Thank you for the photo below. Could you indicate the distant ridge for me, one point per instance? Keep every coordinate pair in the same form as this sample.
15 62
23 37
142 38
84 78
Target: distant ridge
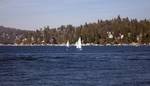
8 35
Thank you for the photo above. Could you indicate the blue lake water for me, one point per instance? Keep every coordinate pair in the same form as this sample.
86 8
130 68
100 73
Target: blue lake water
61 66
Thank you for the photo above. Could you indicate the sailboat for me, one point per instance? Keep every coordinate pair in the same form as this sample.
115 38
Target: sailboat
67 44
78 44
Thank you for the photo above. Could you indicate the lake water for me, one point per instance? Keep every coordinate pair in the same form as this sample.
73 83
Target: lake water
61 66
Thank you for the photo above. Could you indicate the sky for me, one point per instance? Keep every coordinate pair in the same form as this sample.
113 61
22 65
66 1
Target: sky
34 14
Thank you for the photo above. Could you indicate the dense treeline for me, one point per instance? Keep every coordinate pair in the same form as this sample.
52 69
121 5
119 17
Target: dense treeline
114 31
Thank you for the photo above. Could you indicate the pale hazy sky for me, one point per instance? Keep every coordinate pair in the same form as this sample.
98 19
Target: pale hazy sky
33 14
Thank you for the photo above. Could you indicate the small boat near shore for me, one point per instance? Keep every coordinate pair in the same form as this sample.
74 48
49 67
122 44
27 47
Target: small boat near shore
67 44
78 44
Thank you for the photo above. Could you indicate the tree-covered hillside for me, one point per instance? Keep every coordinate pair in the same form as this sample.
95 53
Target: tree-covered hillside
8 35
114 31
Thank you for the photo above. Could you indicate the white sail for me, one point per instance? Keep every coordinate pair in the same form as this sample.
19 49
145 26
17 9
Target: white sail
67 44
78 43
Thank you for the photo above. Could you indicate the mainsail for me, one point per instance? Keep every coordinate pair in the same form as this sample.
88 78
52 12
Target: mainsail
78 43
67 44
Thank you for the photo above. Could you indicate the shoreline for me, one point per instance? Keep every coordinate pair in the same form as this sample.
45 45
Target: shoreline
132 44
